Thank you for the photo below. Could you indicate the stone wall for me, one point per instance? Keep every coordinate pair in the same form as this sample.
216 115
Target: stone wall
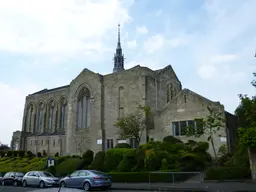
186 106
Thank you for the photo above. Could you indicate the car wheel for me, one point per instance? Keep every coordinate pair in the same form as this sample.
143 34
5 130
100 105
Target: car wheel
24 183
15 183
87 186
62 184
42 184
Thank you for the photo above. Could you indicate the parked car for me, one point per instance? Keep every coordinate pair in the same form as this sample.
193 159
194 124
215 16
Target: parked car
12 178
86 180
41 179
1 178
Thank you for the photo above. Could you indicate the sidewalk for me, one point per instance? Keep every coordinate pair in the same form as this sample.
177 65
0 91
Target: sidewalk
206 186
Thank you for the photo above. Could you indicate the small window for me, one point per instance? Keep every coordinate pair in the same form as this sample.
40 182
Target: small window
110 143
42 142
183 127
53 143
133 143
185 98
175 129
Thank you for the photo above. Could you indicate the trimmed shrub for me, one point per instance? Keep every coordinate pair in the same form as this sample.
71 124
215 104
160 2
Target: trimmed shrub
14 153
128 161
30 154
113 158
123 145
56 154
164 165
52 170
21 153
172 140
39 154
67 167
98 162
2 153
44 153
9 154
226 173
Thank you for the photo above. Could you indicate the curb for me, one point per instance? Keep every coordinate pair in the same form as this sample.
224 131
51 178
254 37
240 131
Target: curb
159 189
229 181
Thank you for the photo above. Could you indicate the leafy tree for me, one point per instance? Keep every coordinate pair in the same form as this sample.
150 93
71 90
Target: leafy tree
133 125
4 147
208 126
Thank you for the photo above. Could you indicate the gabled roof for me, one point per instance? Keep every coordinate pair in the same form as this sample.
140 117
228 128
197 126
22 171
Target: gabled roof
165 69
49 90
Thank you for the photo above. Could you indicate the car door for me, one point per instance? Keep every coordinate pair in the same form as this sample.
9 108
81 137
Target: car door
70 182
6 178
29 178
36 178
11 178
32 178
81 178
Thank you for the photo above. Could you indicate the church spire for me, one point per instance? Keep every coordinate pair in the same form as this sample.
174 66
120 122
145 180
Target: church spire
118 57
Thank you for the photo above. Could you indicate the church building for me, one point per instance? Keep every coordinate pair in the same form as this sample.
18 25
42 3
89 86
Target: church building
80 116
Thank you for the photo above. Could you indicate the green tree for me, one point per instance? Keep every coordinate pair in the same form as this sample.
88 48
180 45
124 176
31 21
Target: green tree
208 126
133 125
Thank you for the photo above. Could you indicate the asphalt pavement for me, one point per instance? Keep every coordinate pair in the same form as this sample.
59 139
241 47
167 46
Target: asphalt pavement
28 189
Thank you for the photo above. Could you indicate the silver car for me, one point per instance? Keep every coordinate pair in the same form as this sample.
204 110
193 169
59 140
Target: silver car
39 178
86 180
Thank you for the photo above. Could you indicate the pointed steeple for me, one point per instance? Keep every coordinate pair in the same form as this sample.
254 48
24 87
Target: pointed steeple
118 57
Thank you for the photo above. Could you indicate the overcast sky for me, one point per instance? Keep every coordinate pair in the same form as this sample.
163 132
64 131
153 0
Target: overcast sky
46 43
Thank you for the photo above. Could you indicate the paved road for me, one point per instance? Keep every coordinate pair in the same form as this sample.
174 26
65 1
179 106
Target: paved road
21 189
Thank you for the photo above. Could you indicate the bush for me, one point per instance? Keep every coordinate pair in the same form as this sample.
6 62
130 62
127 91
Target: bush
30 154
113 158
14 153
21 153
39 154
9 154
172 140
88 157
52 170
67 167
44 153
128 161
57 154
98 162
225 173
123 145
2 153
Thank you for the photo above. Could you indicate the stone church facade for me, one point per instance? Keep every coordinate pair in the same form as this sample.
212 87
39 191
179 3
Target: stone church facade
81 115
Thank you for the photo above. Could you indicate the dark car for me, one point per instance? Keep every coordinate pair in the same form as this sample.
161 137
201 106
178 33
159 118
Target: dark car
1 178
12 178
87 179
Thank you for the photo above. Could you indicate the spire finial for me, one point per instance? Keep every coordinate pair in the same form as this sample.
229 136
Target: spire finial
118 33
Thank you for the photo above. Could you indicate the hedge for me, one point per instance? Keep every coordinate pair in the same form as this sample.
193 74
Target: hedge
146 177
225 173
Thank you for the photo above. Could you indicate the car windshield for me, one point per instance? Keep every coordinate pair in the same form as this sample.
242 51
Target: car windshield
46 174
19 174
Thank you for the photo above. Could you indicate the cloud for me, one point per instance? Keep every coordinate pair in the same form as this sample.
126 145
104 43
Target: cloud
178 42
142 29
132 44
11 111
153 43
63 27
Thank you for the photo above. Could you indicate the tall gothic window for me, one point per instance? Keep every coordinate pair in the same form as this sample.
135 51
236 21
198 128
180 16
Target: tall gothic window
29 118
63 104
40 116
83 109
51 114
121 102
169 92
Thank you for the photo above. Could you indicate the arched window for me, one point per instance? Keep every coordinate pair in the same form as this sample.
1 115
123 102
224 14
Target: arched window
29 119
40 117
169 92
51 115
63 104
83 109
